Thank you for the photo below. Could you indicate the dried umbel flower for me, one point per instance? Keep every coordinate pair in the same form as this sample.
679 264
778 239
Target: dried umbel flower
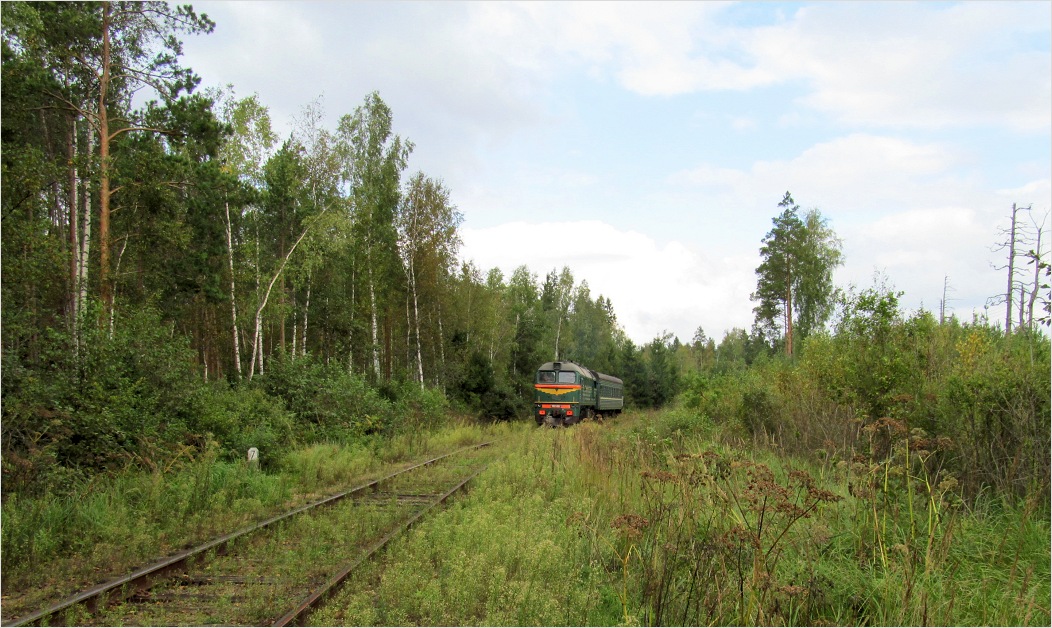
894 426
739 536
578 518
802 478
631 525
660 476
823 495
792 590
948 484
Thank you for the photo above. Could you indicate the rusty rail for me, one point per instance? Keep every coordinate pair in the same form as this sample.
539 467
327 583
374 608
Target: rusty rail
298 616
123 587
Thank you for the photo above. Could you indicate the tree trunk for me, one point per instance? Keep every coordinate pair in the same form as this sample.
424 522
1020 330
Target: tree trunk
350 331
419 350
105 289
788 319
1011 272
441 346
233 291
1037 280
113 307
372 307
74 239
306 311
295 329
85 238
256 342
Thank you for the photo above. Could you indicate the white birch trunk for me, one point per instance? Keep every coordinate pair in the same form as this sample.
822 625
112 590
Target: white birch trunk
113 295
256 343
376 341
350 332
419 351
74 236
295 330
306 311
85 240
233 292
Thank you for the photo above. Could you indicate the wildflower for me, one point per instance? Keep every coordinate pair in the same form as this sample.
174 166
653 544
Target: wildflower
631 525
948 483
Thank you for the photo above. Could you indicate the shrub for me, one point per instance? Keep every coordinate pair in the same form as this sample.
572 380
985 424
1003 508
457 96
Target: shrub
246 417
326 401
123 399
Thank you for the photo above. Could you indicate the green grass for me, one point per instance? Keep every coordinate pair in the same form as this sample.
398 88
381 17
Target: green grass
650 522
649 519
56 545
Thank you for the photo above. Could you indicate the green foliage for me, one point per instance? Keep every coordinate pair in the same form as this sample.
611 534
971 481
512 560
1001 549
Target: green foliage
638 528
795 278
129 398
326 401
134 515
480 388
238 419
985 392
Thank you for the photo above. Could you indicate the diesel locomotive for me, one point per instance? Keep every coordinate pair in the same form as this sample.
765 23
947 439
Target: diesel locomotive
565 393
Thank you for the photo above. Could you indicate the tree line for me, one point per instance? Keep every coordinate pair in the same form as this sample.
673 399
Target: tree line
177 278
167 256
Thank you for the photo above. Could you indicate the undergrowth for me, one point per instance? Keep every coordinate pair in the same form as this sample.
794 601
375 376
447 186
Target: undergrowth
655 522
54 545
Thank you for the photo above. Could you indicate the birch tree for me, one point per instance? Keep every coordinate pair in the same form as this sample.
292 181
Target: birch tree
373 161
250 143
427 225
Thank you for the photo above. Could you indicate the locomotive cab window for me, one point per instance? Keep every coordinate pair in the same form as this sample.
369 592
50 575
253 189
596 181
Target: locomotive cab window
567 377
546 377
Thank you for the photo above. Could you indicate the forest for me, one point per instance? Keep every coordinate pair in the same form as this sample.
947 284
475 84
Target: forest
179 281
176 275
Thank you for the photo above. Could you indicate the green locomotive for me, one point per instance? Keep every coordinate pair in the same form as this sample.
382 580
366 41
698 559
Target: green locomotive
566 393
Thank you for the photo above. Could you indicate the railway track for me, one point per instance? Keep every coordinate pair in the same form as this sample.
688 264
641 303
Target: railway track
277 571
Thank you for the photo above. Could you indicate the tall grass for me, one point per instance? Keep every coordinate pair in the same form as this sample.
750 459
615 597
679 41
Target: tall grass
53 545
656 522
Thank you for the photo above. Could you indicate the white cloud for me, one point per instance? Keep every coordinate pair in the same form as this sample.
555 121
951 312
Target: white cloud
742 123
882 64
917 65
918 248
653 287
857 172
491 92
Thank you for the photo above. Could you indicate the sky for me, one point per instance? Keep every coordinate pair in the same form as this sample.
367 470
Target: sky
647 145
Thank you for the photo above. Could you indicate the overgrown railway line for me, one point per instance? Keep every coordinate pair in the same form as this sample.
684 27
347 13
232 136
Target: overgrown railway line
276 571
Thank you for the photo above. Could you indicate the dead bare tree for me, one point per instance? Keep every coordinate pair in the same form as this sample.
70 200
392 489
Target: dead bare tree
1017 237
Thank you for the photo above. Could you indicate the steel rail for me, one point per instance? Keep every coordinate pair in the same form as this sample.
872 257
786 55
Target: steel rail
141 579
298 616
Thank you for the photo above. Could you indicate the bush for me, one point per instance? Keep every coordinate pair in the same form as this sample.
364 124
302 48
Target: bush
326 401
129 398
246 417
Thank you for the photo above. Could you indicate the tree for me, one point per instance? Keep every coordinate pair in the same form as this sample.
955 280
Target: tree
557 297
243 154
795 276
1022 240
427 225
118 49
373 163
